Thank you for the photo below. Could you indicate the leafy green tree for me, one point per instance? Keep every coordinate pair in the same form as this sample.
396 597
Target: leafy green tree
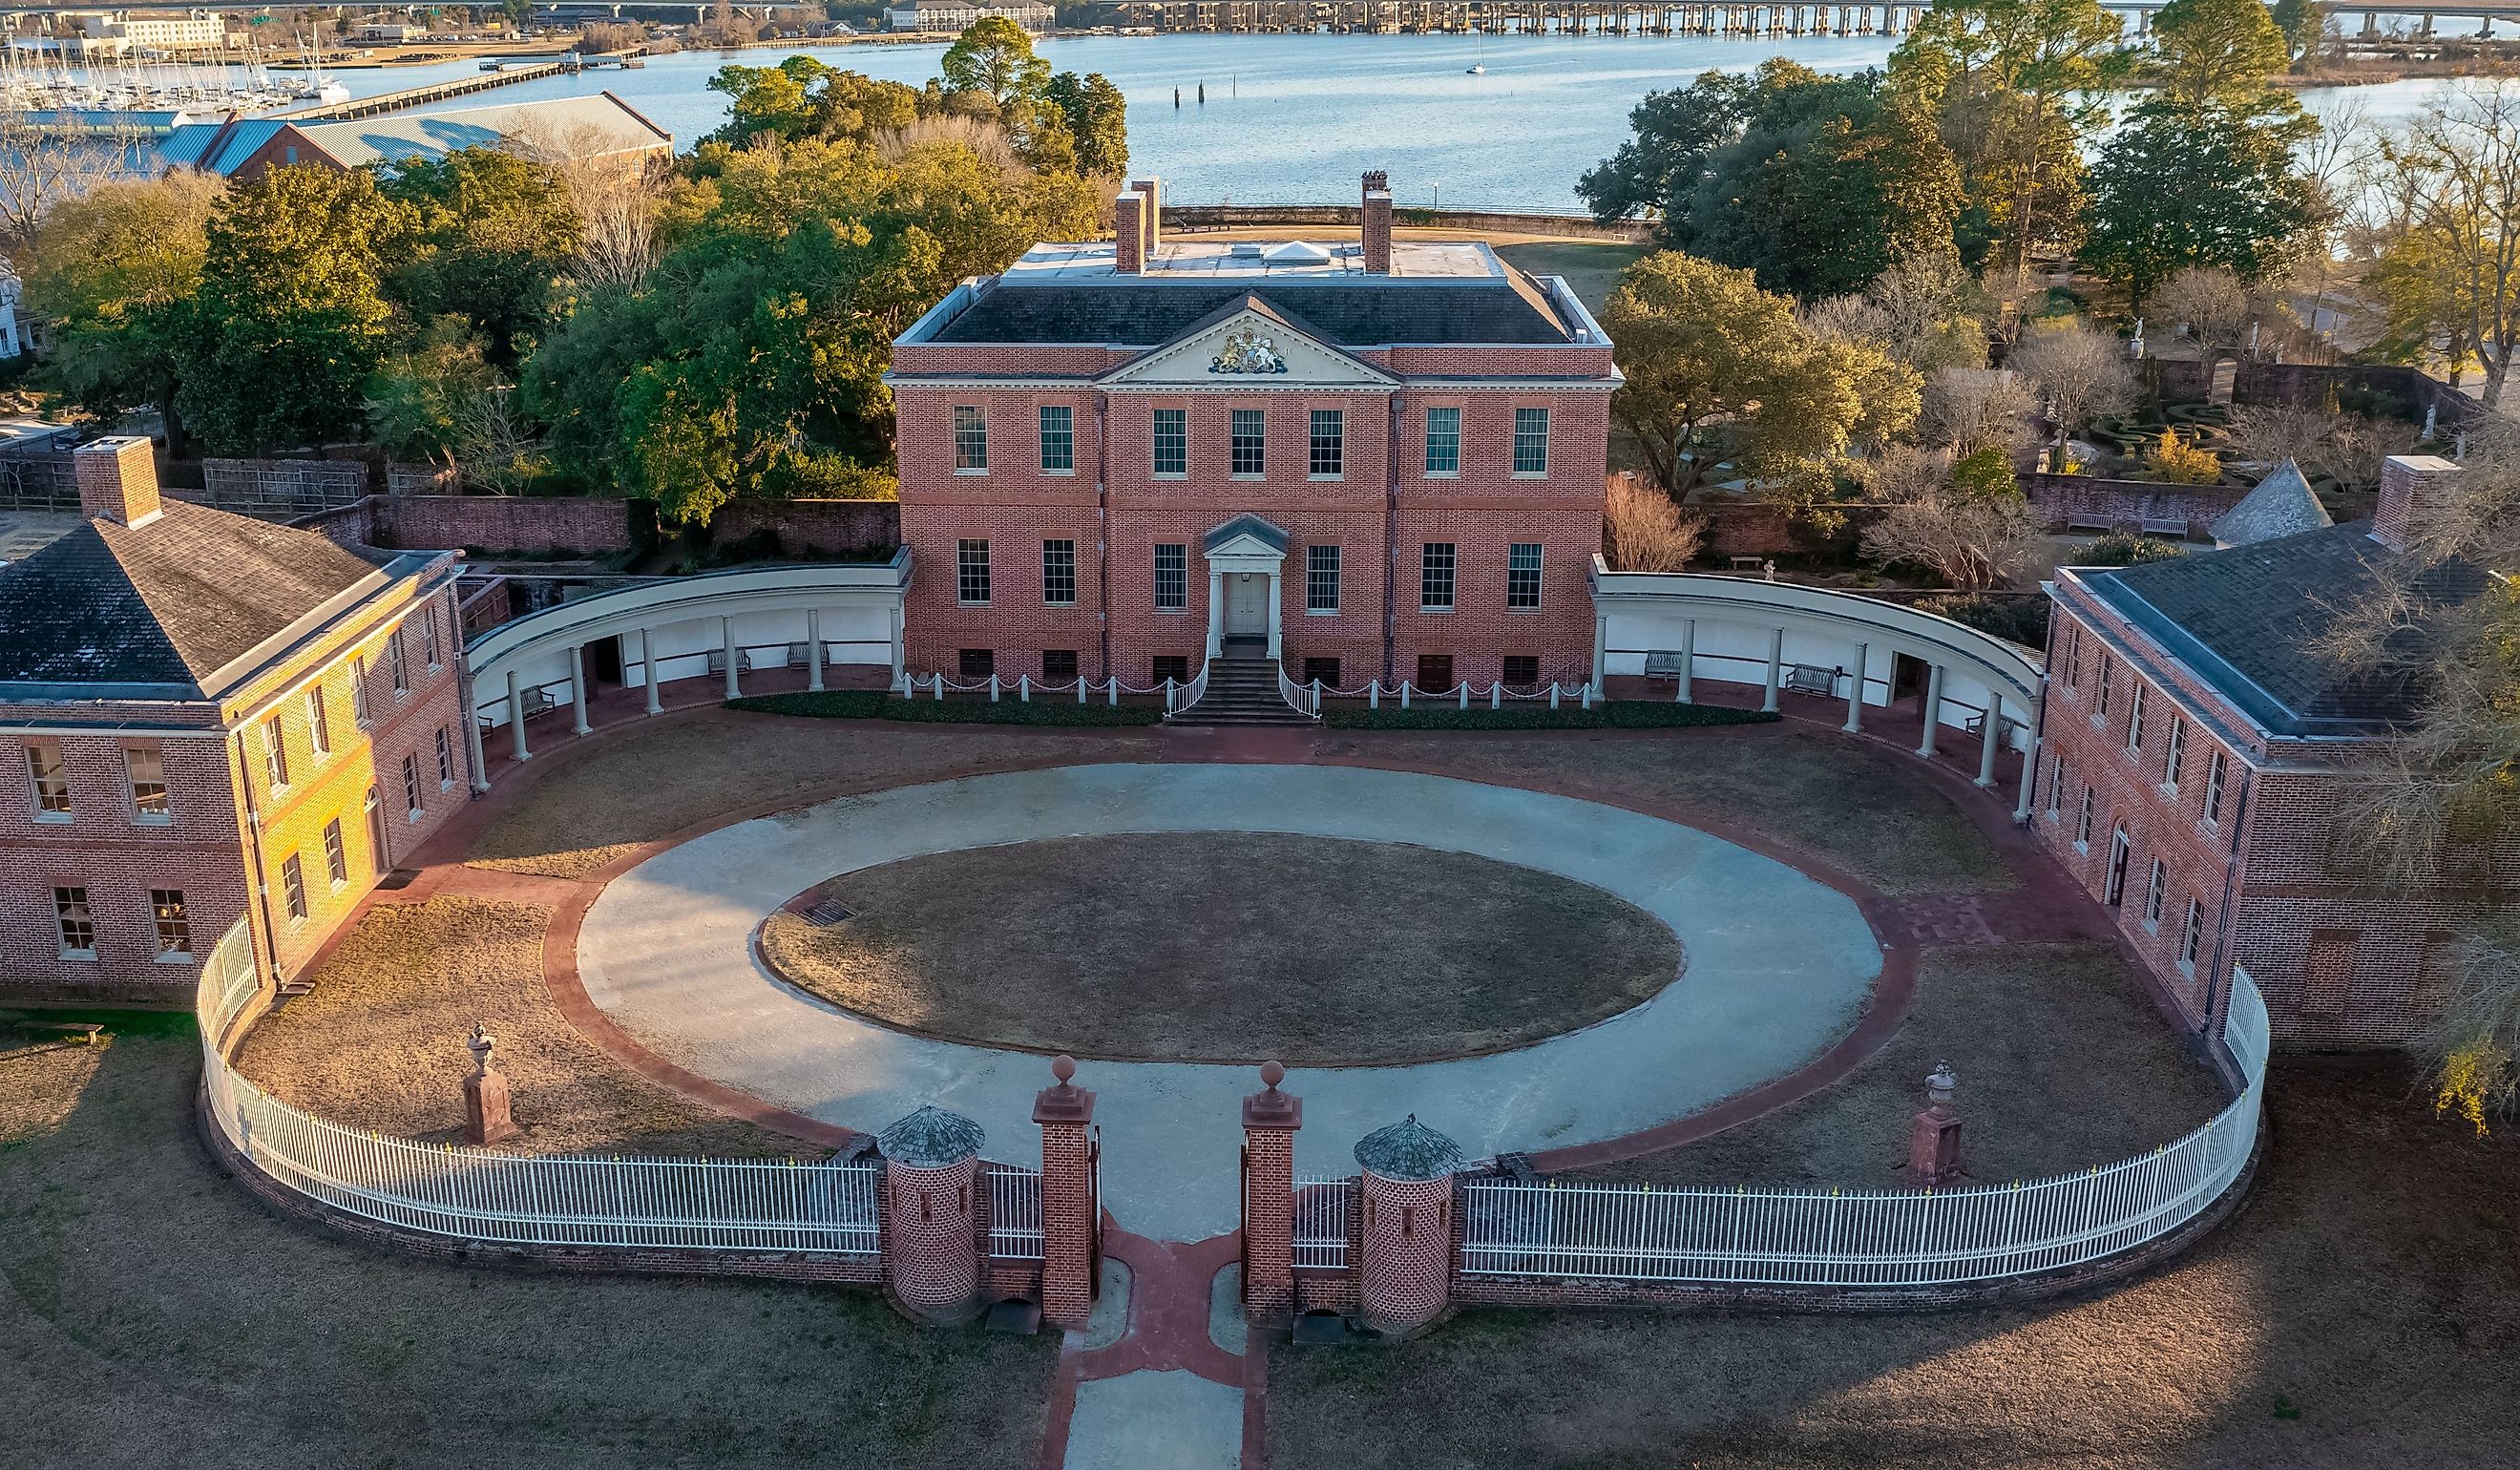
2207 51
803 98
995 57
488 235
1718 369
2202 185
113 274
289 323
1098 119
2304 23
417 399
2016 86
1816 183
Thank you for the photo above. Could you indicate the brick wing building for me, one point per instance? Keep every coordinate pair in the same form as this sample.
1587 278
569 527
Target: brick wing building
2194 746
1359 460
206 716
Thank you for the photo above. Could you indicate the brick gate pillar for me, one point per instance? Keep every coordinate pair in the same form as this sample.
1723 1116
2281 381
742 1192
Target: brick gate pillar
1269 1119
1405 1236
1065 1113
931 1176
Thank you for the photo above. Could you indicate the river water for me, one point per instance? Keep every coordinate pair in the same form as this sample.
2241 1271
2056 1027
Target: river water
1294 118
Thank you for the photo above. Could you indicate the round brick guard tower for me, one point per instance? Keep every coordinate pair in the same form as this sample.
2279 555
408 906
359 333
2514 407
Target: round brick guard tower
1405 1234
931 1171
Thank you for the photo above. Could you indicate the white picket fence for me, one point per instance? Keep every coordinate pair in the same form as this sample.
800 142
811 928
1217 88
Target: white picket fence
1866 1238
479 1194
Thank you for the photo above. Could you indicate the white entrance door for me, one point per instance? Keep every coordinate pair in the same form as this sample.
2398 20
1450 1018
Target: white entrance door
1247 604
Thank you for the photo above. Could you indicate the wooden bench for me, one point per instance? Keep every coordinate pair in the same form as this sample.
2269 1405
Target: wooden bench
1750 564
86 1031
1811 679
2103 525
747 663
2165 526
1664 663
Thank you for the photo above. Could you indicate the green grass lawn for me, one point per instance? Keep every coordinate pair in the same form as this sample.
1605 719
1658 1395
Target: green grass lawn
152 1314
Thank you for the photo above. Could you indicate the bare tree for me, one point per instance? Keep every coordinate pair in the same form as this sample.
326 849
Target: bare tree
618 196
1970 408
1971 542
2083 373
2211 303
1644 531
40 165
492 446
2455 169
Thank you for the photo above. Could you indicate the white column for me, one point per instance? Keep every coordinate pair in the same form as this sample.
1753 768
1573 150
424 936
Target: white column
1776 667
1600 646
814 649
725 635
577 688
2028 781
1991 740
1688 662
1215 612
481 763
1933 709
898 659
648 668
1277 618
1855 694
516 717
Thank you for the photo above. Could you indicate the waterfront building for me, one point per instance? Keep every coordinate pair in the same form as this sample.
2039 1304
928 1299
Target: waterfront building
205 716
1355 459
956 16
600 127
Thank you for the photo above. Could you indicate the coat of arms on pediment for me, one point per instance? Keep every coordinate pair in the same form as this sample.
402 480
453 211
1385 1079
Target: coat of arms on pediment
1248 351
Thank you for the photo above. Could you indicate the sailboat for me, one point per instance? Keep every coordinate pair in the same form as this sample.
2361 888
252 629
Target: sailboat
1479 67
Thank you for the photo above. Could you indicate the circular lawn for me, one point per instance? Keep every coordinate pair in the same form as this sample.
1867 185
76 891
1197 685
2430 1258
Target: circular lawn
1222 947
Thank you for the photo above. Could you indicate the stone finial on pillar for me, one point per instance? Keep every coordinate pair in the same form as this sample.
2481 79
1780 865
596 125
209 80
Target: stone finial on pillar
487 1119
1407 1232
1068 1206
931 1177
1269 1119
1934 1138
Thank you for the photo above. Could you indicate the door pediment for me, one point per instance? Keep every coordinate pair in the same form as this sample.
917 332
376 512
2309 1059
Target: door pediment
1248 348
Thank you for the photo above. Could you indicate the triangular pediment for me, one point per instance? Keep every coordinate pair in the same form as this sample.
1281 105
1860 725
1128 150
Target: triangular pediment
1248 345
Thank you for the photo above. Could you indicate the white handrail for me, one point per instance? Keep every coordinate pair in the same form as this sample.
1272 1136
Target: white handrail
1187 696
1303 699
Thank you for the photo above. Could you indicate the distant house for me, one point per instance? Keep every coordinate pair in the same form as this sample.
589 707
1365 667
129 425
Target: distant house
960 16
576 128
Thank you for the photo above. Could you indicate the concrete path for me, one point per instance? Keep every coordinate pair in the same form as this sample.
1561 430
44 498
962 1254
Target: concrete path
1777 967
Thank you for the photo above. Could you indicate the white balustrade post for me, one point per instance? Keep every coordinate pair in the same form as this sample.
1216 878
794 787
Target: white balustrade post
1933 709
1553 693
993 689
648 670
1855 690
814 650
1112 689
516 716
1775 668
1991 740
577 689
734 659
1688 662
1080 688
940 686
1168 694
1404 693
1317 697
1496 694
1374 693
1466 694
1024 689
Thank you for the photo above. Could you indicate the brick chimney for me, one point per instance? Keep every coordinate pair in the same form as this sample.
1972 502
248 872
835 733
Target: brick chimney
1154 215
117 481
1128 233
1376 217
2414 487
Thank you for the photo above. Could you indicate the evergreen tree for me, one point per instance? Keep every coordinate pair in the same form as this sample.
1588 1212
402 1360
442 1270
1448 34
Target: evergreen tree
1097 122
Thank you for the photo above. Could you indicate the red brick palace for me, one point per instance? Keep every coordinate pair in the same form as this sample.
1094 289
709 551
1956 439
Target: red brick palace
1360 458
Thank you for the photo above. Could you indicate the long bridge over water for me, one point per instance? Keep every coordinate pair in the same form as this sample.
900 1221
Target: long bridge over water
1723 18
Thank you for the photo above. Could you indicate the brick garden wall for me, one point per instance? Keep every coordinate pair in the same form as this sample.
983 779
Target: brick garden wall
2061 499
516 525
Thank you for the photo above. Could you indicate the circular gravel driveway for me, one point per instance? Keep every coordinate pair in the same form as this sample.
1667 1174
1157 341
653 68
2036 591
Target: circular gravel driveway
1779 969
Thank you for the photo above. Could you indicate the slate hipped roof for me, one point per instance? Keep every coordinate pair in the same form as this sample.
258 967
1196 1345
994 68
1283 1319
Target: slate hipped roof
2282 505
2249 620
168 605
1408 1151
1142 312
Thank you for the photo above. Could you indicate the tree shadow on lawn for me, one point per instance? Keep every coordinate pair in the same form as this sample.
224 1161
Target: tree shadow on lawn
155 1314
2362 1309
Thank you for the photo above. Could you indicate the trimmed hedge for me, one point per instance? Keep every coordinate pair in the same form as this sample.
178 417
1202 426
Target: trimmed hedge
877 704
1618 714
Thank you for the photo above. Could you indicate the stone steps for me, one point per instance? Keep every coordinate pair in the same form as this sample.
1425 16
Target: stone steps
1240 691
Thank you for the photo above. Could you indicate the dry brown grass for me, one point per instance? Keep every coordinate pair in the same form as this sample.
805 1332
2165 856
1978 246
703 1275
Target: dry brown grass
648 784
153 1314
1196 947
1864 811
38 1082
2364 1309
381 1043
2063 1062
